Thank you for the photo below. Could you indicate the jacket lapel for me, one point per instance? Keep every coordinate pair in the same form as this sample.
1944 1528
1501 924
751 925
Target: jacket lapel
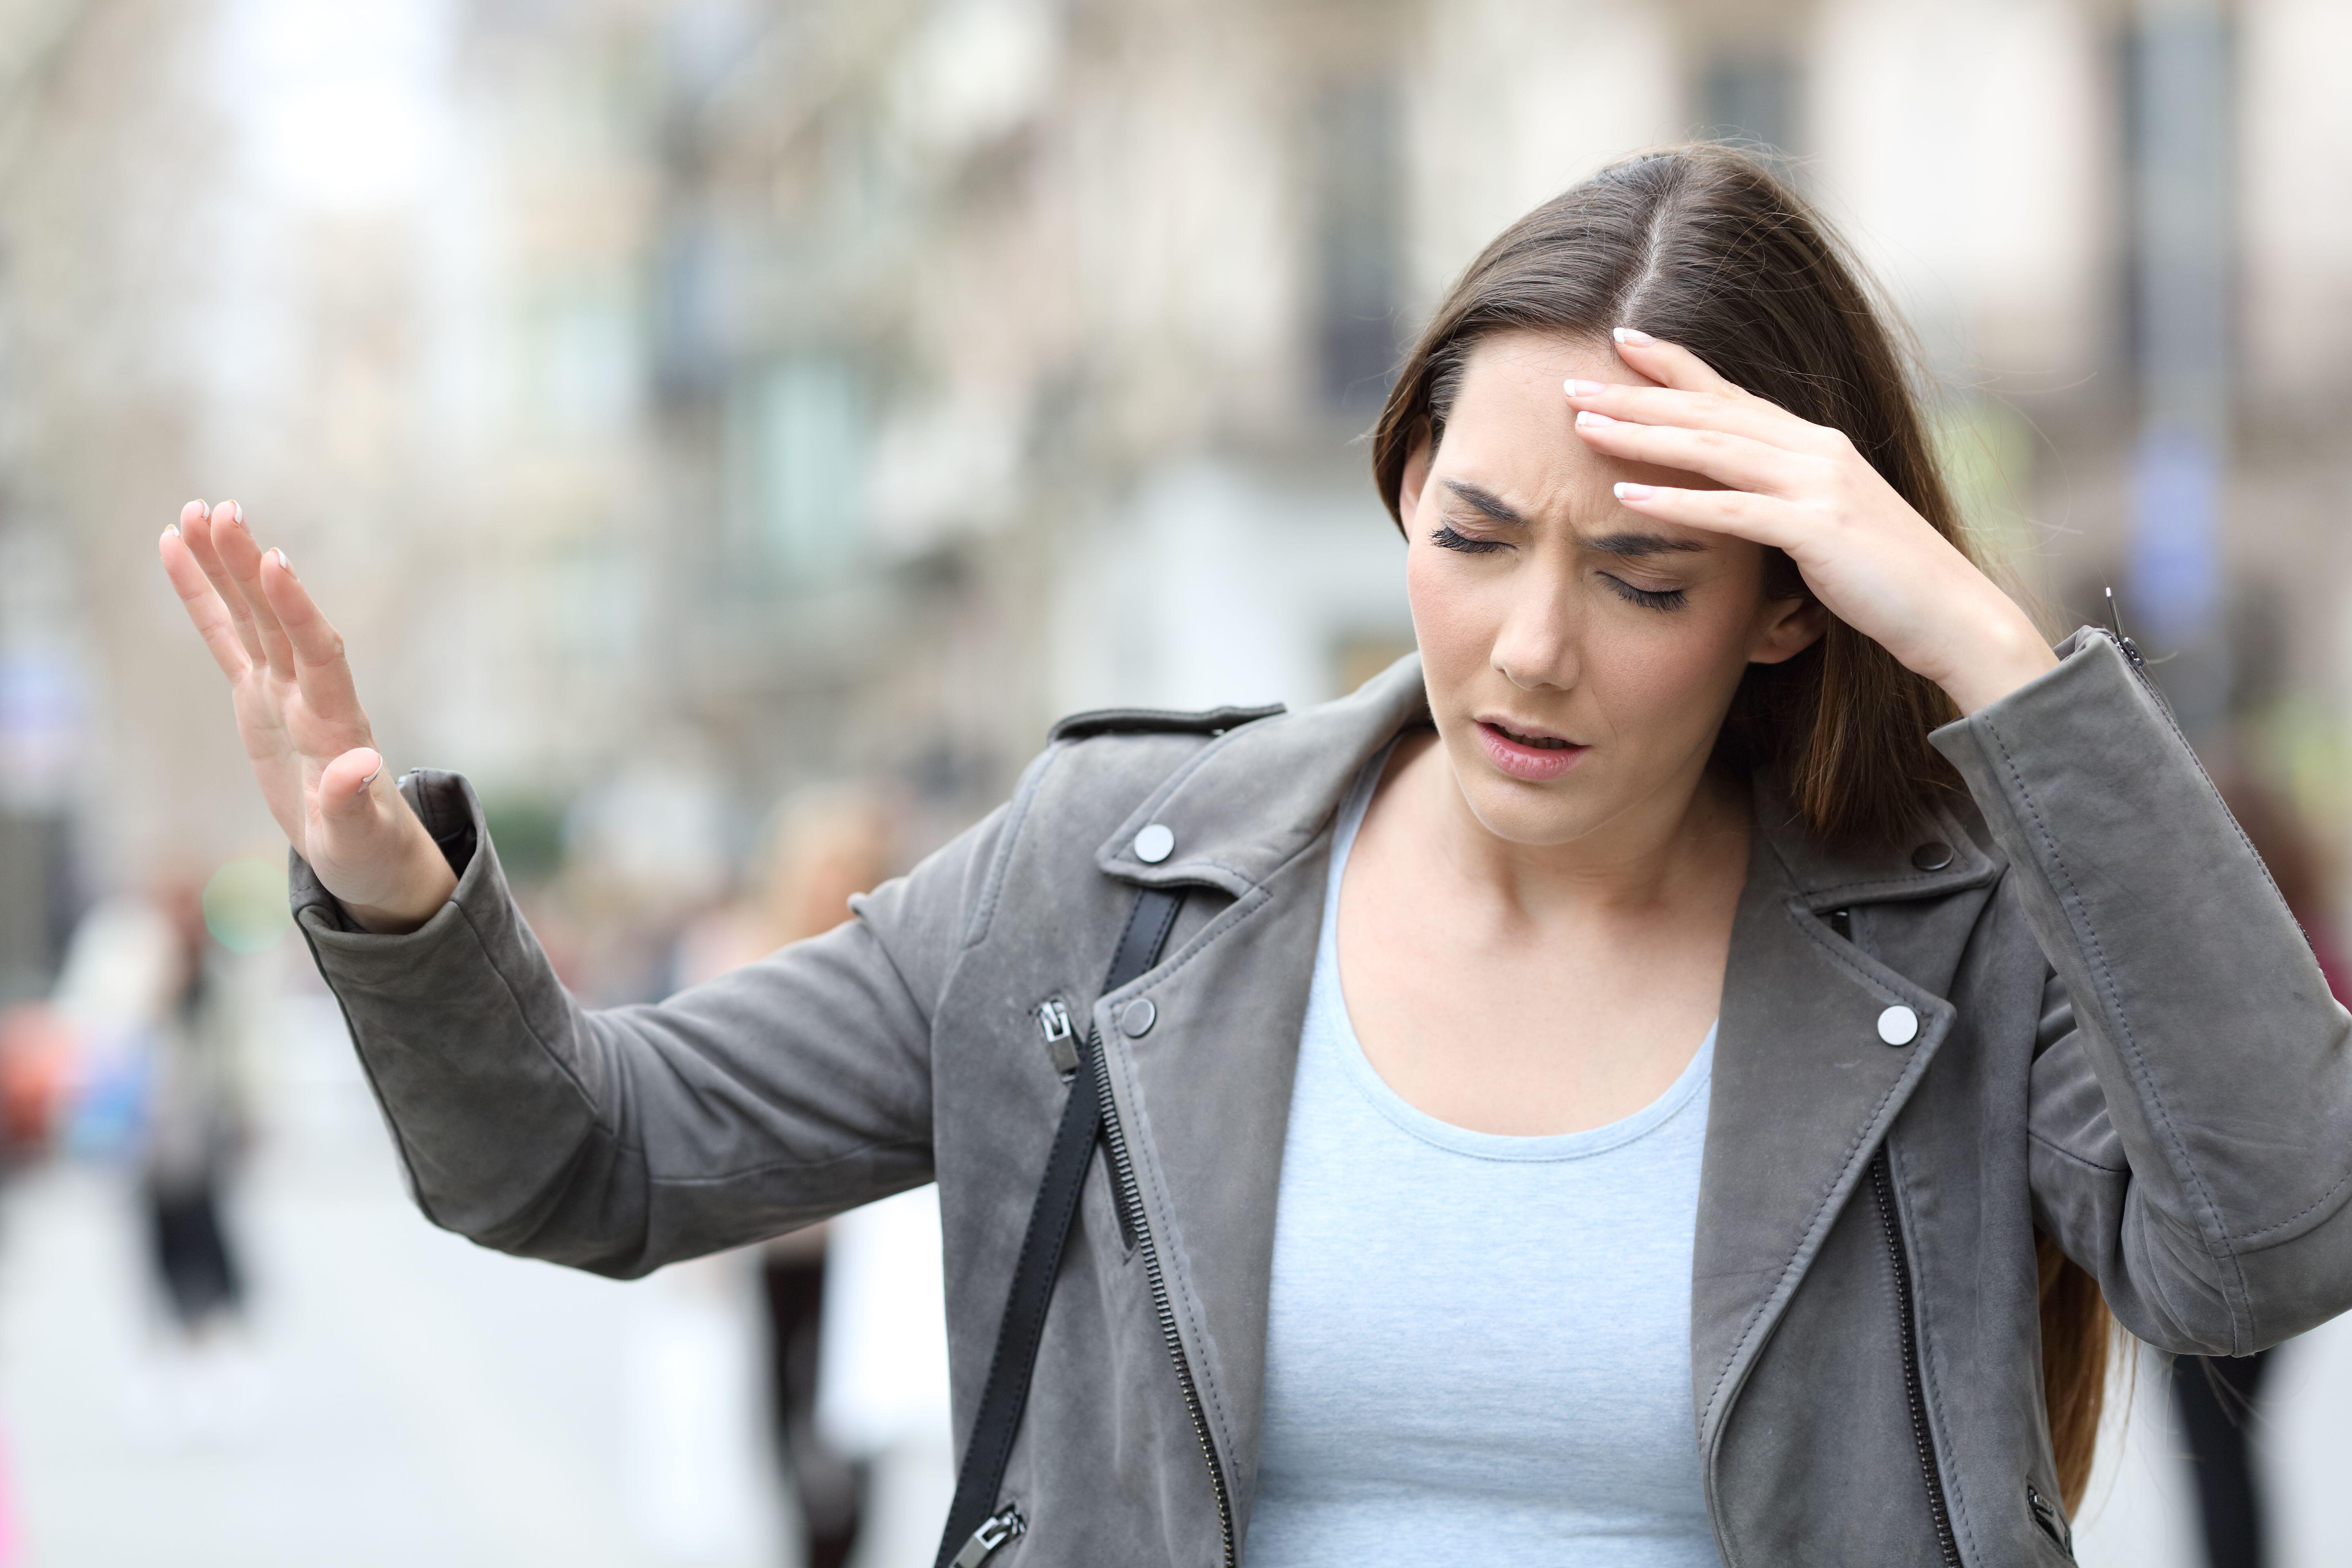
1204 1093
1804 1087
1204 1099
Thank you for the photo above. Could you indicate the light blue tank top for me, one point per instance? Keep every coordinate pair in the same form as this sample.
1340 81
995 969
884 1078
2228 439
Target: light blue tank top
1477 1346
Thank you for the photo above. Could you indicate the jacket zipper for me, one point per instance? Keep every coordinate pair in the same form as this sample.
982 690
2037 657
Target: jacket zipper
994 1530
2138 662
2046 1515
1881 1184
1131 1200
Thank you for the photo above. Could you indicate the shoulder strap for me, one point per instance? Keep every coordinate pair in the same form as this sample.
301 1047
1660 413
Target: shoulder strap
976 1526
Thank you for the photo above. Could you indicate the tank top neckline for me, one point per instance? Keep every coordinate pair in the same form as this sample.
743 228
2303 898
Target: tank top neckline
1409 1118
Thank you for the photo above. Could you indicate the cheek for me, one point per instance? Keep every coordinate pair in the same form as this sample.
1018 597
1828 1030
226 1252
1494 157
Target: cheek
1448 619
1678 669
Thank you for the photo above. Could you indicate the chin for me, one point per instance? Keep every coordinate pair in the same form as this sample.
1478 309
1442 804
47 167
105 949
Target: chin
1536 815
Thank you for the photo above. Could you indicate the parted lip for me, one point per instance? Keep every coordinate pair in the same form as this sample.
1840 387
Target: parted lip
1521 729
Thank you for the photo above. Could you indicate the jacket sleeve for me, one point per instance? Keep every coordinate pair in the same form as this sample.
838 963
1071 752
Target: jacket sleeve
2190 1120
621 1140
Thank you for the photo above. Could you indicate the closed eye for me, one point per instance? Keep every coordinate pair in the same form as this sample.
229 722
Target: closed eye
1444 538
1648 598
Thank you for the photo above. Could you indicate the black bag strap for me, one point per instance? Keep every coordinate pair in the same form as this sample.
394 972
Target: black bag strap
976 1526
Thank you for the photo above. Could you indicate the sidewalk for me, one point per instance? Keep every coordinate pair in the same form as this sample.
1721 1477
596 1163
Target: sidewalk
410 1397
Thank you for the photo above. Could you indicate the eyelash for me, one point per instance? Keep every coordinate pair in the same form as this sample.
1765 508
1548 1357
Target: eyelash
1648 598
1444 538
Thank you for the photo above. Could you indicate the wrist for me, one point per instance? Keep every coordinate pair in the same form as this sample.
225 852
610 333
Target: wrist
423 885
2000 654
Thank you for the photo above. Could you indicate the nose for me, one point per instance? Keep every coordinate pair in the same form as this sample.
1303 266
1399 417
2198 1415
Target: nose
1538 646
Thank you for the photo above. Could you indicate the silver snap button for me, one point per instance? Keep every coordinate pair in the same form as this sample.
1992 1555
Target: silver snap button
1154 844
1135 1020
1932 856
1898 1025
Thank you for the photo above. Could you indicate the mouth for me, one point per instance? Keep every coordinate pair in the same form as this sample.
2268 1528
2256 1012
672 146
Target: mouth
1533 754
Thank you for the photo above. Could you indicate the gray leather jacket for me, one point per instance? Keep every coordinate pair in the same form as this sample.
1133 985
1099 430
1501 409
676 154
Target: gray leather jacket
2122 1040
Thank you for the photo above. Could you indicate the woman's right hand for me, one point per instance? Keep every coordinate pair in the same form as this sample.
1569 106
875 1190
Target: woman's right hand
300 719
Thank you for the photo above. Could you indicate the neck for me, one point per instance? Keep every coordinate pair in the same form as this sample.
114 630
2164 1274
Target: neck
1682 840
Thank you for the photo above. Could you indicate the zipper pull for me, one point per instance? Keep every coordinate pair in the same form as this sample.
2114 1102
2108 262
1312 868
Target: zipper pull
2053 1522
1053 1022
994 1531
2116 630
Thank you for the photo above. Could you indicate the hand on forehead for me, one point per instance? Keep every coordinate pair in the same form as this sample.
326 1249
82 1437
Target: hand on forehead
1510 434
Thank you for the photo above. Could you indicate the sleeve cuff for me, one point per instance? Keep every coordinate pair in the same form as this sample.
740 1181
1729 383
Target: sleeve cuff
446 803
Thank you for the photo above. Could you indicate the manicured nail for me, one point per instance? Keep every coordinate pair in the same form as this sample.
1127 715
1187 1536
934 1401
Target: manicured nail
1587 417
171 528
283 564
1576 388
1632 492
1634 335
237 509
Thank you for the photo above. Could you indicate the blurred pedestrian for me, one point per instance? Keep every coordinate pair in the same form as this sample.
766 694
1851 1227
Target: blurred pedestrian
198 1124
166 1017
2218 1397
823 846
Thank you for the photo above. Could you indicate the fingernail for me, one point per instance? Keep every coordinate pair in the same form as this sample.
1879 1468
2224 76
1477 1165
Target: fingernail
236 509
1634 335
171 528
1631 492
1576 388
370 778
1587 417
283 564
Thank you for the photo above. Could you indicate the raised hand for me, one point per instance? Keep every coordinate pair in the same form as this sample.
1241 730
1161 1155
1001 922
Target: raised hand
300 719
1869 556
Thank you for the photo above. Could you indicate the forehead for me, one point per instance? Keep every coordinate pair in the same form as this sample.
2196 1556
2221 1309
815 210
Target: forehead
1510 432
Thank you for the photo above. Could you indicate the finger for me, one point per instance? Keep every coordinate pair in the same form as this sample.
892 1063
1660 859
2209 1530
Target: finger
1735 460
1670 364
1743 514
242 557
1744 415
319 667
196 529
352 788
203 602
363 826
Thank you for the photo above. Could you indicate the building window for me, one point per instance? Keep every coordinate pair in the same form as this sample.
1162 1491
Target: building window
1750 95
797 448
1357 191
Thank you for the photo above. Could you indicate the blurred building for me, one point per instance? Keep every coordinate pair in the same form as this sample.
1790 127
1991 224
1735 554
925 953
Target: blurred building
678 399
1010 353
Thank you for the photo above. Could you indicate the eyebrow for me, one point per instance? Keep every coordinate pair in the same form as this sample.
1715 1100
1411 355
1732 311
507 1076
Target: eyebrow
1623 544
1639 544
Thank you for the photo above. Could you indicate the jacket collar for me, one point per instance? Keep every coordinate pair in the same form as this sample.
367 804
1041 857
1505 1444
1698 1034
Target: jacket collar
1254 797
1250 800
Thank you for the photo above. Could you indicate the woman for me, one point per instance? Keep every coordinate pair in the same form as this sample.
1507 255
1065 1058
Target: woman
1746 941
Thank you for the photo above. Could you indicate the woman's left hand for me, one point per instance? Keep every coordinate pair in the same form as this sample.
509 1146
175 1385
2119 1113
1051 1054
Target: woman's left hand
1866 553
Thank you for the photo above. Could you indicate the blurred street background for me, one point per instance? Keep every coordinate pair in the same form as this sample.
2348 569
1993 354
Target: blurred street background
701 414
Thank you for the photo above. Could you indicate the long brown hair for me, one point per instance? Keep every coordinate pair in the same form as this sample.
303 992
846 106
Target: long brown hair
1705 247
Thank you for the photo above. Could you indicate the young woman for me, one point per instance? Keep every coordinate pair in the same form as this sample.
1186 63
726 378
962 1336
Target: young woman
1652 1079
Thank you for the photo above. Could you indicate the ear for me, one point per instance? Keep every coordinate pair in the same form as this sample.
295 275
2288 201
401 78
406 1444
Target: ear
1785 628
1415 478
